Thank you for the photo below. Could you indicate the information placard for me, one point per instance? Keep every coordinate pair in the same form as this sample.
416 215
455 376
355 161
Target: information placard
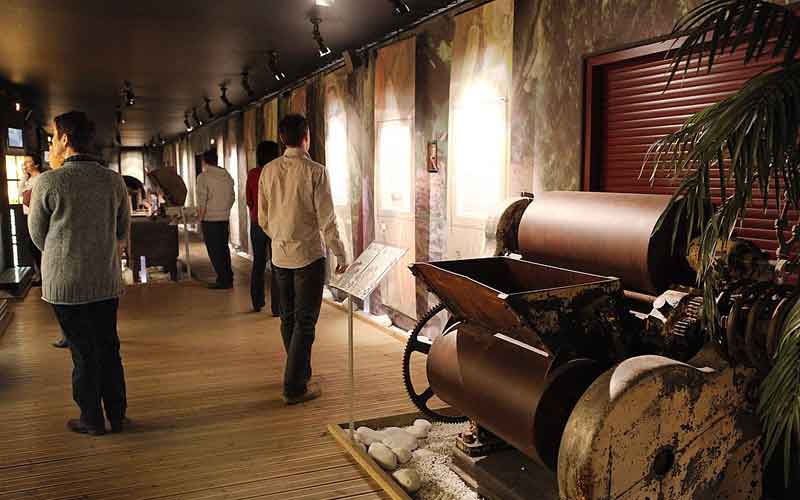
366 273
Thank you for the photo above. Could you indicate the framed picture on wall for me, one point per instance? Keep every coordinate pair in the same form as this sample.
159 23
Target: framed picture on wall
15 138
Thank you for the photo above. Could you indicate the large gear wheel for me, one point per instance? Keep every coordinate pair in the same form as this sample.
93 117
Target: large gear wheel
419 343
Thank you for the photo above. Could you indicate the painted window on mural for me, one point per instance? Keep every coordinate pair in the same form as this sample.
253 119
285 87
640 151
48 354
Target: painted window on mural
133 164
394 157
14 175
336 158
480 147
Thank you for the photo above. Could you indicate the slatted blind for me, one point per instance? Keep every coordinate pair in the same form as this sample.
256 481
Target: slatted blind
635 111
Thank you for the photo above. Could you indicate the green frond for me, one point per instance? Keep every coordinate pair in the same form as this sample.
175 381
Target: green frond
720 25
751 140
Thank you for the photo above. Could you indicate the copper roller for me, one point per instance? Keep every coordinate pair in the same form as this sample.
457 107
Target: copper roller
518 392
605 233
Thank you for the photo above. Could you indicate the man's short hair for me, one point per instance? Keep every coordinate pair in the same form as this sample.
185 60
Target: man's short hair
210 157
266 152
293 129
78 128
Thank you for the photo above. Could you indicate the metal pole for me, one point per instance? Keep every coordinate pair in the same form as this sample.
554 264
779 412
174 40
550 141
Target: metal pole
186 244
350 369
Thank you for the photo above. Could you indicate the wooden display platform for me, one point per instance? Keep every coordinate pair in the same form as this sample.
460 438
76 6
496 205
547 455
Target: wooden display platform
367 464
503 475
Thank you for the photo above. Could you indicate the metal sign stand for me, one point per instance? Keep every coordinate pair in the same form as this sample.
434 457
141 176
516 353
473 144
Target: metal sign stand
186 244
361 278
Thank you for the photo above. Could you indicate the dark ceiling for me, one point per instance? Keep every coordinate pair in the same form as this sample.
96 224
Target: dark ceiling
76 54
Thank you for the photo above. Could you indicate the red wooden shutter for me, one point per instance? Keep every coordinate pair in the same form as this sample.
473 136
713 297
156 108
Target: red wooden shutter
631 110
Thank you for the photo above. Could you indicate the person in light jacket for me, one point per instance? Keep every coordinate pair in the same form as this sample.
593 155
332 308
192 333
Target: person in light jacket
295 209
215 197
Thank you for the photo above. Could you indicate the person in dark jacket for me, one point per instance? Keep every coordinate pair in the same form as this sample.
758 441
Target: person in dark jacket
259 241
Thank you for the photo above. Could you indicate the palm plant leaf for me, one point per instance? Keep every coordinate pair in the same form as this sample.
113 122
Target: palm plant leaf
751 140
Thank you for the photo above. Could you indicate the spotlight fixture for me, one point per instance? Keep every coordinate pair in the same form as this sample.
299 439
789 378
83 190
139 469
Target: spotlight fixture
400 7
186 122
323 49
246 83
274 65
160 139
49 139
213 141
208 108
128 95
196 118
223 95
18 106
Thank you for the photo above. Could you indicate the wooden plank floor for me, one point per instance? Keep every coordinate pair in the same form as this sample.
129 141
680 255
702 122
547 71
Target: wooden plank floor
204 382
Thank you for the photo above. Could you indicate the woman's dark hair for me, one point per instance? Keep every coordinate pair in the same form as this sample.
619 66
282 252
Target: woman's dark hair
78 128
37 160
210 157
266 152
293 129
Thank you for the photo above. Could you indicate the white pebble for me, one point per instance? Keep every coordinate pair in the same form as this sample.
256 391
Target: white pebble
383 455
395 437
417 432
423 424
408 479
368 436
403 455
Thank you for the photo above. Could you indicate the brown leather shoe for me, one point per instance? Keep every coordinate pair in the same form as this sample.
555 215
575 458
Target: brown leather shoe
313 391
76 425
61 343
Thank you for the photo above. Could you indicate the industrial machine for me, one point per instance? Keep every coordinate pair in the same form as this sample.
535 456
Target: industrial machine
581 345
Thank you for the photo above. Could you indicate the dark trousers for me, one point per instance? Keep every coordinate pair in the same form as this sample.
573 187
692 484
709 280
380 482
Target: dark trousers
301 299
37 257
261 255
216 236
97 373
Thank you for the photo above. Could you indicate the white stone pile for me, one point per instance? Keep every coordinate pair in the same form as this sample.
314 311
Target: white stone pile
393 447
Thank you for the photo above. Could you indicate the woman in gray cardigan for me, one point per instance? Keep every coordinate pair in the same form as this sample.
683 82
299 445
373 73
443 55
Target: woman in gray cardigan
79 215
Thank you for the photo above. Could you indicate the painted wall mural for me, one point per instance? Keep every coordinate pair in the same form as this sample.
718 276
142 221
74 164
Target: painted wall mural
394 167
480 87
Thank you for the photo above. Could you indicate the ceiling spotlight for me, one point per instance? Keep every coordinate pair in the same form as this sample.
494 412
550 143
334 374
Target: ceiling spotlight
223 91
18 106
246 83
160 139
208 108
213 141
274 64
186 122
49 139
196 118
128 95
400 7
324 50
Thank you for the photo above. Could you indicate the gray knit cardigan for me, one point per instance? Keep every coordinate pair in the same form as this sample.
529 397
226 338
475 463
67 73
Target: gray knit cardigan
78 215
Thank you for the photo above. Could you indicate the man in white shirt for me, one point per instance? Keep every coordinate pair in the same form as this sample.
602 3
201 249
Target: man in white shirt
215 197
295 209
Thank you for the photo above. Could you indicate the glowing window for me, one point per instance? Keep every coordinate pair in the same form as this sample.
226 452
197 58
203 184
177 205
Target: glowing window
479 162
336 158
394 162
15 173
